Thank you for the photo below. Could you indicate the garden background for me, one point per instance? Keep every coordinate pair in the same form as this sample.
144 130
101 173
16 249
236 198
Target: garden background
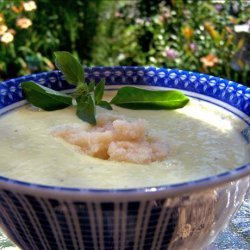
205 36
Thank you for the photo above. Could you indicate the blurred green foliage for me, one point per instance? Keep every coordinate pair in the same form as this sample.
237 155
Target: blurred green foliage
191 35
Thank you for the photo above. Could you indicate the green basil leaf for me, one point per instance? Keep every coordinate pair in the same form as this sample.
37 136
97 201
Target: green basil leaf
45 98
80 90
91 86
99 90
105 104
137 98
86 109
70 67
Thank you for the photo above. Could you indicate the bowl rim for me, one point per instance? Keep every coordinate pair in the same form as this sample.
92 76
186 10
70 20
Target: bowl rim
170 189
198 185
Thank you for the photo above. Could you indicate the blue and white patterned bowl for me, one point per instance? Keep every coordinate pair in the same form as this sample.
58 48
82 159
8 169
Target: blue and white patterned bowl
181 216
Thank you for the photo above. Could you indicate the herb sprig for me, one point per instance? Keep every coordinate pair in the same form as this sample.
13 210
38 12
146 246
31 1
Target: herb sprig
87 96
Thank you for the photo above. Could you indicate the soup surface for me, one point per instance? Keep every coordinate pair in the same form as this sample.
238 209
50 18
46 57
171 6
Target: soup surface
202 140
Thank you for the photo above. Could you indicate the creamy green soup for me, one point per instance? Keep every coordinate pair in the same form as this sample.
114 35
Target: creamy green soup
202 140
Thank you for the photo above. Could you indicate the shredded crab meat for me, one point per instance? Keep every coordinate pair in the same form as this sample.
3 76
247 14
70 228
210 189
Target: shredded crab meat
116 140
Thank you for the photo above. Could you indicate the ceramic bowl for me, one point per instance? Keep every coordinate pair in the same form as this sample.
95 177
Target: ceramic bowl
181 216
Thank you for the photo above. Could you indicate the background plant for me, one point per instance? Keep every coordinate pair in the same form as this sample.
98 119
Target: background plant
192 35
53 25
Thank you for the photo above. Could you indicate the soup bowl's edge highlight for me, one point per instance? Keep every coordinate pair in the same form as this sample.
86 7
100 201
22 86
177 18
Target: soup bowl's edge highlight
190 214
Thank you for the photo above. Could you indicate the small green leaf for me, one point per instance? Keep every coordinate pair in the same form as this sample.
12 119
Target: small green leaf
86 109
79 91
105 104
86 97
70 67
91 86
45 98
99 90
136 98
